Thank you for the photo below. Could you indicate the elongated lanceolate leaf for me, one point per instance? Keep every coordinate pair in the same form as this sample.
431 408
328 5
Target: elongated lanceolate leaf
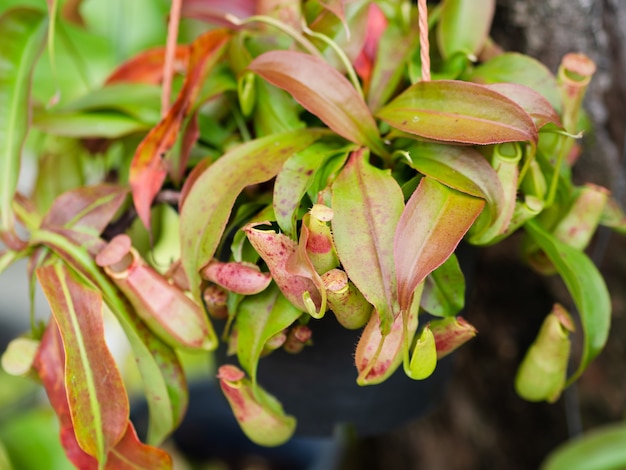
367 203
22 34
586 286
160 369
208 203
258 319
433 223
323 91
599 449
129 451
462 168
90 207
147 170
147 67
97 398
464 26
105 124
455 111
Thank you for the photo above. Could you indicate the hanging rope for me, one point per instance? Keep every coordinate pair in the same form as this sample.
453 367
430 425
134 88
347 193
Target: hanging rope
170 54
424 43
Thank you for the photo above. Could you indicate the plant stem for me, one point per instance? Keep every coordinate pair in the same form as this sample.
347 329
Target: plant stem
170 54
424 42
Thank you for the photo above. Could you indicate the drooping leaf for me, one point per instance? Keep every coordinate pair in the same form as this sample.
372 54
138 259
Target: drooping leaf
147 67
455 111
323 91
22 34
464 26
531 101
97 399
160 369
512 67
259 318
587 288
50 366
208 203
599 449
433 223
147 171
89 207
462 168
367 204
444 289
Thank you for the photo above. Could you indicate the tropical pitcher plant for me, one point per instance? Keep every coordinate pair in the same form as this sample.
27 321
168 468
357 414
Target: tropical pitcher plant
315 159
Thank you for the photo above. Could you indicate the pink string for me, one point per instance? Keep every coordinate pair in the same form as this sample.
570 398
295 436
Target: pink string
424 43
170 54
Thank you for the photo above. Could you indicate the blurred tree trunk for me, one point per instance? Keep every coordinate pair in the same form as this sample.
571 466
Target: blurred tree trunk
481 423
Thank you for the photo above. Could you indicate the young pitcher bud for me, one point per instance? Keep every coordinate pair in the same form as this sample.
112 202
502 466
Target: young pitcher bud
450 333
345 300
215 298
297 338
424 358
541 375
320 246
240 278
18 358
259 414
167 311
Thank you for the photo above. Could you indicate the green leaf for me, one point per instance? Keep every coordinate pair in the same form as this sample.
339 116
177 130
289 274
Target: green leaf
455 111
586 286
209 201
464 26
295 178
367 203
462 168
512 67
323 91
258 319
81 125
97 398
22 35
136 100
444 289
599 449
433 223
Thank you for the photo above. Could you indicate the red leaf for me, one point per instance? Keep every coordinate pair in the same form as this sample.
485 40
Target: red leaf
97 399
147 67
323 91
433 223
147 171
132 454
215 11
531 101
376 25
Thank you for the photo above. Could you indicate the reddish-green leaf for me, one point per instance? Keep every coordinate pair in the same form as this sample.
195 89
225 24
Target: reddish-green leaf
97 399
214 11
531 101
208 203
367 203
462 168
147 171
22 34
89 207
464 26
132 454
259 318
455 111
323 91
433 223
522 69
